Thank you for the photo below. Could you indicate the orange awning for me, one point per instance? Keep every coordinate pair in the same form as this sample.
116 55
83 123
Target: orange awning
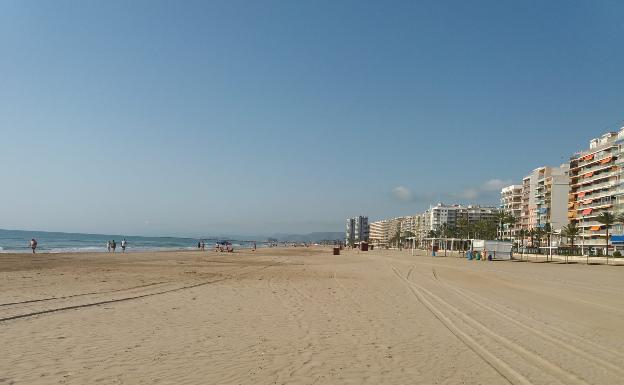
595 228
589 174
587 211
606 160
581 194
588 157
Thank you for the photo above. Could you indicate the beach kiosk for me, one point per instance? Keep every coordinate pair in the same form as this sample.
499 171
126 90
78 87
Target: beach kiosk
491 250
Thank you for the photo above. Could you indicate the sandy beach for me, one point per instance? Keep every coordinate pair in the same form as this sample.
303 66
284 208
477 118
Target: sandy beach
303 316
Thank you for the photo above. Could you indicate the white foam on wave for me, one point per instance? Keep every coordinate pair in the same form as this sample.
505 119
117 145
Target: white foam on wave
88 249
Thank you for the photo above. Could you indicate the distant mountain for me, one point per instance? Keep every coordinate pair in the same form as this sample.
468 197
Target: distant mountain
310 237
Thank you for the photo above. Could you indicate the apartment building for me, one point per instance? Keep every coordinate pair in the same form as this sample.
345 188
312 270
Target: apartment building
357 230
379 232
595 179
511 203
527 208
382 231
544 198
441 215
551 193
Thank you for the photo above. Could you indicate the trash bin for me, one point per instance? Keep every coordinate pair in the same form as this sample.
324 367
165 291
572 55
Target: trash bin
336 250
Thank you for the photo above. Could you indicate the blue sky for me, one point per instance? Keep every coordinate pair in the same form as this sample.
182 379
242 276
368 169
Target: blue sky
189 118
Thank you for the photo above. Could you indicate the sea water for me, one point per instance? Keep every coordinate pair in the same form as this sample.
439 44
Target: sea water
12 241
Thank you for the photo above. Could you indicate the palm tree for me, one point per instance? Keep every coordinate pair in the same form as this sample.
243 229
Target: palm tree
539 234
532 235
511 222
607 219
548 232
522 233
571 232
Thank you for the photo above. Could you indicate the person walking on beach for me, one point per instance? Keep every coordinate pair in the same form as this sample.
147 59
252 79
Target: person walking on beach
123 245
203 245
33 245
113 245
108 245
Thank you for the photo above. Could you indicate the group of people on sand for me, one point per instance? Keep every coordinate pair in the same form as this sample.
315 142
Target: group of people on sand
201 245
225 246
112 245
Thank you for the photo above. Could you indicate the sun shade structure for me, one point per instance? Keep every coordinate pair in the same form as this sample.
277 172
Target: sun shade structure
606 160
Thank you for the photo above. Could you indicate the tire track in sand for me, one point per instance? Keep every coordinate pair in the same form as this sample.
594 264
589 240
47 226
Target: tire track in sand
501 367
36 312
494 308
534 359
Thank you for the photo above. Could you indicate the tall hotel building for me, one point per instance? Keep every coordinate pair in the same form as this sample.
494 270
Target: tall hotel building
595 176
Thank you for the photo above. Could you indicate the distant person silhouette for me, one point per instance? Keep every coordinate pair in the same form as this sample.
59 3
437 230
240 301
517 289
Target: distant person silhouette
113 245
33 245
123 245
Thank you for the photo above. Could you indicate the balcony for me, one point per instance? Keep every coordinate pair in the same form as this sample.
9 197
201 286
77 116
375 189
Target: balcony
599 186
601 176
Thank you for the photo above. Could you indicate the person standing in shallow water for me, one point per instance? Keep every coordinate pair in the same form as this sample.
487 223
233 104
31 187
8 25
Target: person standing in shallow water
113 245
123 245
108 245
33 245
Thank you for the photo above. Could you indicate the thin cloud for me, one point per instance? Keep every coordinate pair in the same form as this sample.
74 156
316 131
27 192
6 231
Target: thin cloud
487 190
495 184
402 194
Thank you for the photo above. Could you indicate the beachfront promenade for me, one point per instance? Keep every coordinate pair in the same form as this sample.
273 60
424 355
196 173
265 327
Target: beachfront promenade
527 257
303 316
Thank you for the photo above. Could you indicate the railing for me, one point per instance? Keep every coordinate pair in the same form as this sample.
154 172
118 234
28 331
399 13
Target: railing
597 168
604 185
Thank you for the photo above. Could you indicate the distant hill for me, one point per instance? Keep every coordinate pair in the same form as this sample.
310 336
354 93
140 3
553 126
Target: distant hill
310 237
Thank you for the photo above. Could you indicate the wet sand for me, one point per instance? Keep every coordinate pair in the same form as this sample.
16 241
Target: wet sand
303 316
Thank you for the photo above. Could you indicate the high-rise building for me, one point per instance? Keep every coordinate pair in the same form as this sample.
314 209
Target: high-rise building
544 198
595 178
511 203
357 230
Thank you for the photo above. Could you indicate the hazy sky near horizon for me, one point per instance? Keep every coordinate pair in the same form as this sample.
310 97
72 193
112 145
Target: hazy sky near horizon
199 117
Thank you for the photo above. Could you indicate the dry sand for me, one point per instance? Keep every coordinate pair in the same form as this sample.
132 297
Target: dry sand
303 316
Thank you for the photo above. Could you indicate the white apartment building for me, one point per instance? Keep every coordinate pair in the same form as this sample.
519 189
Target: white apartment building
511 203
379 231
438 216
